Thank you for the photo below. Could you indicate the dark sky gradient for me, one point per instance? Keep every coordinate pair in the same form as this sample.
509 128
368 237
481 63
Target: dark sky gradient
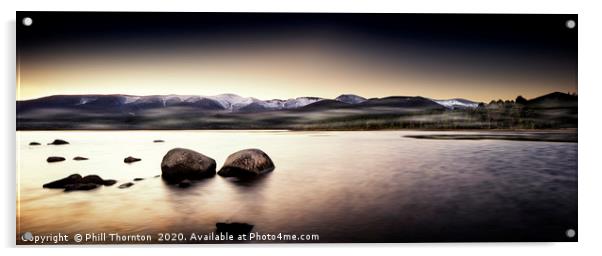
282 55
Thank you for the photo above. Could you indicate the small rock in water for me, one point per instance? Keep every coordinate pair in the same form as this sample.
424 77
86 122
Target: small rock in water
138 179
110 182
80 158
233 228
71 179
246 163
130 159
77 182
184 184
157 141
94 179
157 176
34 143
126 185
58 142
53 159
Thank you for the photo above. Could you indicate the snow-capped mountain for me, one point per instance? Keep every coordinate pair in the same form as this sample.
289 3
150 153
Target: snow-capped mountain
350 98
118 103
457 103
229 111
222 102
234 102
300 102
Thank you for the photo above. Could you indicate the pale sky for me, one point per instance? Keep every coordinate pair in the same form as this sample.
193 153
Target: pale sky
287 62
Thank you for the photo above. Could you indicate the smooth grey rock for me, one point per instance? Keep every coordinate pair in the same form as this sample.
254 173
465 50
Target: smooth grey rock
180 164
247 163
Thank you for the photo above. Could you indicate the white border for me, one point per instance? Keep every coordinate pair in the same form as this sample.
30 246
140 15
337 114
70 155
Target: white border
590 169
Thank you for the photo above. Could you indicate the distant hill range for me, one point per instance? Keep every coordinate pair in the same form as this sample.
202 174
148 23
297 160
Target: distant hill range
230 111
222 102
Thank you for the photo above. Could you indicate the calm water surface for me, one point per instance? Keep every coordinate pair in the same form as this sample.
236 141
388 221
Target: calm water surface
344 186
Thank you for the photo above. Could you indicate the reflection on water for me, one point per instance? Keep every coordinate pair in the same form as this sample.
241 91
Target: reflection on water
345 186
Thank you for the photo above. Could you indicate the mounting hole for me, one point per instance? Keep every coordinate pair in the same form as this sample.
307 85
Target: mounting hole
570 233
27 21
570 24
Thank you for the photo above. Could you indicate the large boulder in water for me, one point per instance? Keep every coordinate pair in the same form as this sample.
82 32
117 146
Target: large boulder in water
247 163
180 164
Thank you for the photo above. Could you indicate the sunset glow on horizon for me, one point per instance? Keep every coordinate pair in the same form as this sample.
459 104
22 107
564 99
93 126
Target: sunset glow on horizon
288 61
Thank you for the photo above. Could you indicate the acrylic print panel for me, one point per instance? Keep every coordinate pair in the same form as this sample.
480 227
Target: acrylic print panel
295 128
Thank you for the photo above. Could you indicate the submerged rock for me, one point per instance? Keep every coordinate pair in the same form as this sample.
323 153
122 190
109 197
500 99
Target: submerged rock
126 185
184 184
236 229
71 179
80 158
131 159
58 142
77 182
80 186
158 141
180 164
246 163
110 182
94 179
53 159
34 143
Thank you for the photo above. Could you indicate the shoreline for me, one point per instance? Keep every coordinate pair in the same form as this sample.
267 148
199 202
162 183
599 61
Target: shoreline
569 137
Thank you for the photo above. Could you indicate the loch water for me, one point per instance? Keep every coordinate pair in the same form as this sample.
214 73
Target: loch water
345 186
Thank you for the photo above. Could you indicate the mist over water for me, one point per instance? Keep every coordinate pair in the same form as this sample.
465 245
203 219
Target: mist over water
352 186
